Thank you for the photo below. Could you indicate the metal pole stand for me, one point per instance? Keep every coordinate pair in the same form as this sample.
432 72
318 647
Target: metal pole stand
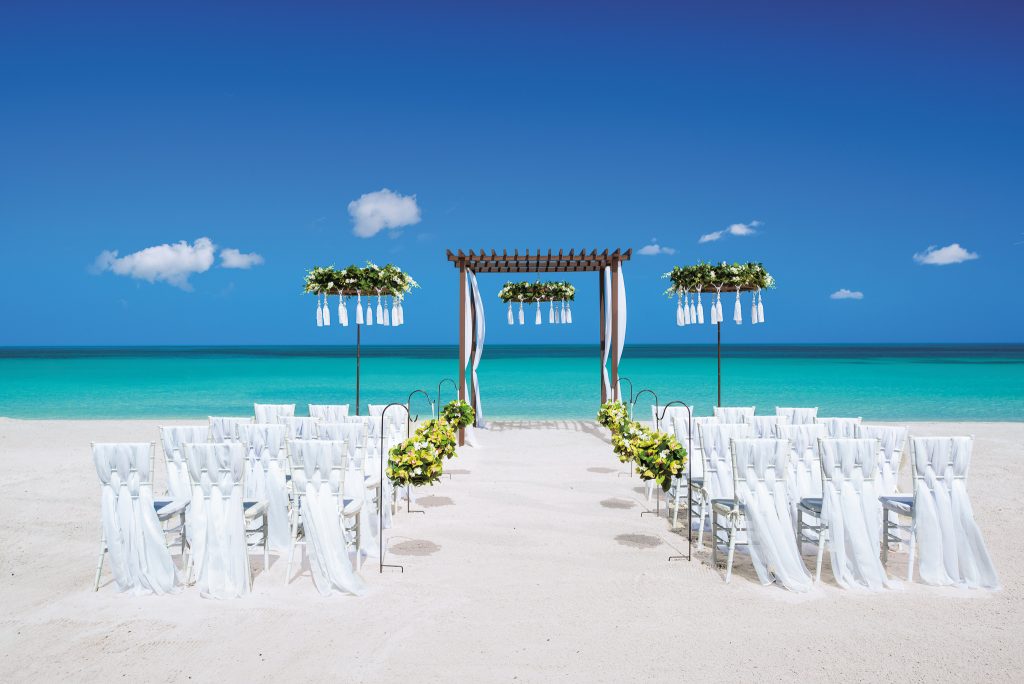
689 487
380 497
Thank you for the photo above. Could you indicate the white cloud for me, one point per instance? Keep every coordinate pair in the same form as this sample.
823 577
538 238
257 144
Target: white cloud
375 211
654 249
172 264
944 256
737 229
847 294
232 258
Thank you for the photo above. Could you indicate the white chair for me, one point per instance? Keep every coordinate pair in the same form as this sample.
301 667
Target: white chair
733 414
798 416
686 434
131 520
328 413
764 426
362 480
839 428
179 487
803 479
273 413
849 512
219 561
266 477
891 442
672 414
760 508
300 428
942 520
318 521
396 417
718 481
225 428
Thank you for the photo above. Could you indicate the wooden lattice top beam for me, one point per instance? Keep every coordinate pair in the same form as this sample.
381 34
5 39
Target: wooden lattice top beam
537 262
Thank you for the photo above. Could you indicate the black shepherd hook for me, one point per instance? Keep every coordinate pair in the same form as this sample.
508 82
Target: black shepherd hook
621 380
640 394
408 402
380 496
454 386
689 489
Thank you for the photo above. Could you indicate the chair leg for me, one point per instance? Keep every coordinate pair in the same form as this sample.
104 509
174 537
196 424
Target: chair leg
714 538
266 542
99 564
822 541
732 551
885 536
291 550
703 522
913 549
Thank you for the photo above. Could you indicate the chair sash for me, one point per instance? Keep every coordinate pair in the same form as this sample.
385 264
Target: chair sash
891 441
798 416
840 428
171 438
225 429
135 543
803 479
328 413
764 426
300 428
714 446
266 465
273 413
733 414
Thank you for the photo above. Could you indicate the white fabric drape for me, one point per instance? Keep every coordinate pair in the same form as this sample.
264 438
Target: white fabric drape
273 413
714 446
178 485
361 481
328 413
851 509
300 428
840 428
606 349
891 442
621 294
798 416
761 490
480 328
265 476
803 480
225 429
764 426
467 338
950 546
734 414
318 476
134 539
682 431
219 551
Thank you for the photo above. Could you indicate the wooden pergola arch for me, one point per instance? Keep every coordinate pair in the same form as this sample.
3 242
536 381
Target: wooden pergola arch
542 262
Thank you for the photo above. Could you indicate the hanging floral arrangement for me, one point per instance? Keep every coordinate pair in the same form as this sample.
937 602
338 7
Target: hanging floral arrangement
459 414
557 294
690 283
389 284
659 457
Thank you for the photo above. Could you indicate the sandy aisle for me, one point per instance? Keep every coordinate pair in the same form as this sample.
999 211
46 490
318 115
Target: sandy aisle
533 563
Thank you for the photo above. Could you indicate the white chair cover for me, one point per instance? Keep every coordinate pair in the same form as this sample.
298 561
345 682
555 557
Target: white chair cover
949 542
891 441
273 413
318 475
760 480
798 416
803 480
328 413
851 509
134 538
840 428
673 415
266 468
733 414
764 426
714 445
171 438
299 428
360 481
219 551
682 431
225 429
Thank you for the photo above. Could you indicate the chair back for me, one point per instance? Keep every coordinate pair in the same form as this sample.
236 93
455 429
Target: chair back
352 434
891 442
759 461
764 426
840 428
320 463
714 446
733 414
939 461
804 466
171 439
328 413
225 429
798 416
673 414
264 452
273 413
300 428
850 460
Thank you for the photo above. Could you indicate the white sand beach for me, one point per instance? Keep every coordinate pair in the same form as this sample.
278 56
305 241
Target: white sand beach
532 563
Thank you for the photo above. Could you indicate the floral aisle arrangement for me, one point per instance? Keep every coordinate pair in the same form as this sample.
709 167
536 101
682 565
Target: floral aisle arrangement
659 457
419 460
537 293
388 283
612 414
458 414
689 282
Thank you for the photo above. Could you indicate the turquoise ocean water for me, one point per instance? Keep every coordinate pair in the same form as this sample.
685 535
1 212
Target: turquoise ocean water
893 382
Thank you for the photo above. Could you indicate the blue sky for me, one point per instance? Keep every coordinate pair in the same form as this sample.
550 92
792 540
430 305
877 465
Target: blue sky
856 137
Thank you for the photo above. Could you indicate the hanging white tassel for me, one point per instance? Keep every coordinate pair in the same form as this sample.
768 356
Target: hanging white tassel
568 312
737 311
369 312
342 312
753 310
401 313
380 311
693 310
551 312
394 312
511 316
327 312
319 313
700 309
686 308
760 307
387 313
536 320
522 319
679 310
359 309
718 307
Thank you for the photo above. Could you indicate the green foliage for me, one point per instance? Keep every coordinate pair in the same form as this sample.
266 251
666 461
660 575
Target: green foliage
419 460
708 276
368 280
537 291
612 414
458 413
658 456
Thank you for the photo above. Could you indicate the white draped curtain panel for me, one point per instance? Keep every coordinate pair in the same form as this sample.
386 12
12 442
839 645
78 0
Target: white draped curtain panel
266 467
621 294
607 275
480 330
